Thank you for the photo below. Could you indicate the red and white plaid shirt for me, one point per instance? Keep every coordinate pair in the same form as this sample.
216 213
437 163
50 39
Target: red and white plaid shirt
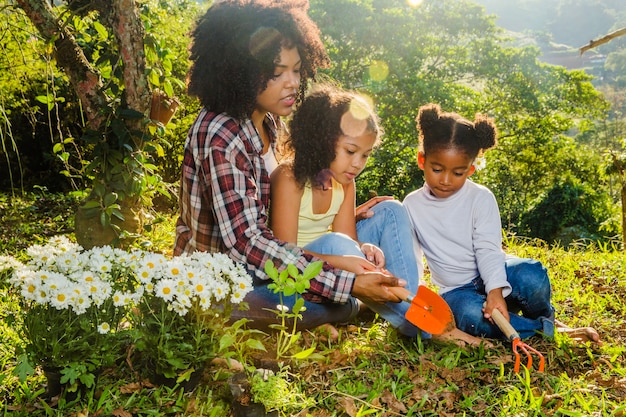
224 196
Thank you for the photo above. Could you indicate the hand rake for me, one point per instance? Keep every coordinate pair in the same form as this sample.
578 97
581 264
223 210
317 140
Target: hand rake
517 342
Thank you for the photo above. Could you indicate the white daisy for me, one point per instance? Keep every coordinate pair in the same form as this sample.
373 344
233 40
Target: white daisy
104 328
165 289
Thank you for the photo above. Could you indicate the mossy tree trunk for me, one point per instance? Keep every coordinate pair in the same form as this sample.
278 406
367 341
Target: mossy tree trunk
121 18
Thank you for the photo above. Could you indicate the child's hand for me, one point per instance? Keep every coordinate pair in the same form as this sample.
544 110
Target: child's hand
495 300
373 254
364 211
354 264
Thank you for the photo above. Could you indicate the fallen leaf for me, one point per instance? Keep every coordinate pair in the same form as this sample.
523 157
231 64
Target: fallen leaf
393 403
348 406
130 388
120 412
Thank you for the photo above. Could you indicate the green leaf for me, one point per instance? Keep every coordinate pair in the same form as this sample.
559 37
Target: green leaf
109 199
293 271
44 99
58 147
226 341
185 376
102 31
313 269
271 270
48 100
87 379
304 354
154 77
23 368
167 87
255 344
298 305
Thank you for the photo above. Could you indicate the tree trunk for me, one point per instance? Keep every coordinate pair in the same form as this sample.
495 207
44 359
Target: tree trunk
123 20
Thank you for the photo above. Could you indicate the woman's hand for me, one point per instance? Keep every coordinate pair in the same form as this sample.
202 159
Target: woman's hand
373 288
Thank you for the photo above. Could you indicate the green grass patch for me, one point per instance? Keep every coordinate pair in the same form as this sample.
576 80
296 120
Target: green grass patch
370 370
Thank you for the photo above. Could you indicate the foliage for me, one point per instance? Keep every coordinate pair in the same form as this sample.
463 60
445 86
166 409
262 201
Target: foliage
569 211
183 305
276 391
71 319
453 54
400 55
371 369
78 305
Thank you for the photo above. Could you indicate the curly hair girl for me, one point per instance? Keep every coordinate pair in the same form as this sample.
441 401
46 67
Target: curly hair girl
317 126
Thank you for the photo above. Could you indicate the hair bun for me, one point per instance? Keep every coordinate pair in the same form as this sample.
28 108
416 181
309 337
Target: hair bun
485 132
428 116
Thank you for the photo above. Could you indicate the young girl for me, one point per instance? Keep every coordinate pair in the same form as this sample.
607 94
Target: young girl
332 135
251 62
457 223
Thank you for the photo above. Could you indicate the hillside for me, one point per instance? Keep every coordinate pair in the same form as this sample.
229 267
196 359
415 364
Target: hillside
560 27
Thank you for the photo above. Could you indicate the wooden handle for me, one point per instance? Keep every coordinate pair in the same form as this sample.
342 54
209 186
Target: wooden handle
402 293
504 324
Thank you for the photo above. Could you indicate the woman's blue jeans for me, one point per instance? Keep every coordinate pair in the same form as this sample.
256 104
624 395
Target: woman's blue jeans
389 229
529 304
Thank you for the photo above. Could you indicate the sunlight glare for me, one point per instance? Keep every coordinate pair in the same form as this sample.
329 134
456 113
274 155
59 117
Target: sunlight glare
414 3
378 70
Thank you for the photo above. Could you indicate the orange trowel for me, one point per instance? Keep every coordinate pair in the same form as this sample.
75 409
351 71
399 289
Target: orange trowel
428 310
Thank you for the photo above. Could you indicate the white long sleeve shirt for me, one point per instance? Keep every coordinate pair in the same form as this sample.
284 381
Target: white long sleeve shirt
461 236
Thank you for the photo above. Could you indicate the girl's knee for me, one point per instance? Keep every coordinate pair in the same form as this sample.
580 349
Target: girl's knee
529 272
391 205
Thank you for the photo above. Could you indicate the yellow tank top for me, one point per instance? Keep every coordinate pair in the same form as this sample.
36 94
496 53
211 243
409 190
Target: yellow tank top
311 225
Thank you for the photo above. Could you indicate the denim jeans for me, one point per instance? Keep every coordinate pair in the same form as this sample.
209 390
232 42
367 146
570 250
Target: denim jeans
389 229
529 305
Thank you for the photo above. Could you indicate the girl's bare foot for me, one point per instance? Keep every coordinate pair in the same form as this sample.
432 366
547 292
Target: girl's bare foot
580 334
460 338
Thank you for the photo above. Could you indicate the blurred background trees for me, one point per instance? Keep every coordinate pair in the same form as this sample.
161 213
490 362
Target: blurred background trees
557 172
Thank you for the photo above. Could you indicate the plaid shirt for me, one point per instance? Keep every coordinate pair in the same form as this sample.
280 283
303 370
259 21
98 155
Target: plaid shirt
224 197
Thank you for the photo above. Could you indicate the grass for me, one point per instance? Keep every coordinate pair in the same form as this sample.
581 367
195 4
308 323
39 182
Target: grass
370 370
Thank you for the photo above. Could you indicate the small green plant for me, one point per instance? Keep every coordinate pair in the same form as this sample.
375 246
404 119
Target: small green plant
238 342
276 391
290 282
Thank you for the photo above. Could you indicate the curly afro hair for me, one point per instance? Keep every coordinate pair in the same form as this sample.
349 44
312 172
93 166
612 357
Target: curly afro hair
446 130
316 126
236 44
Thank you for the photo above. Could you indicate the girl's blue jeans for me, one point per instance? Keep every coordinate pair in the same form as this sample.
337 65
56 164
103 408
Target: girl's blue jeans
389 229
529 304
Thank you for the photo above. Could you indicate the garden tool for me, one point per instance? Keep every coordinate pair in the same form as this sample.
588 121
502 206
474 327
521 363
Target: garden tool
428 311
515 339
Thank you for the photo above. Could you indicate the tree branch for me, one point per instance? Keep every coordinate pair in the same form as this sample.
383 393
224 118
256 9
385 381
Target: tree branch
604 39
